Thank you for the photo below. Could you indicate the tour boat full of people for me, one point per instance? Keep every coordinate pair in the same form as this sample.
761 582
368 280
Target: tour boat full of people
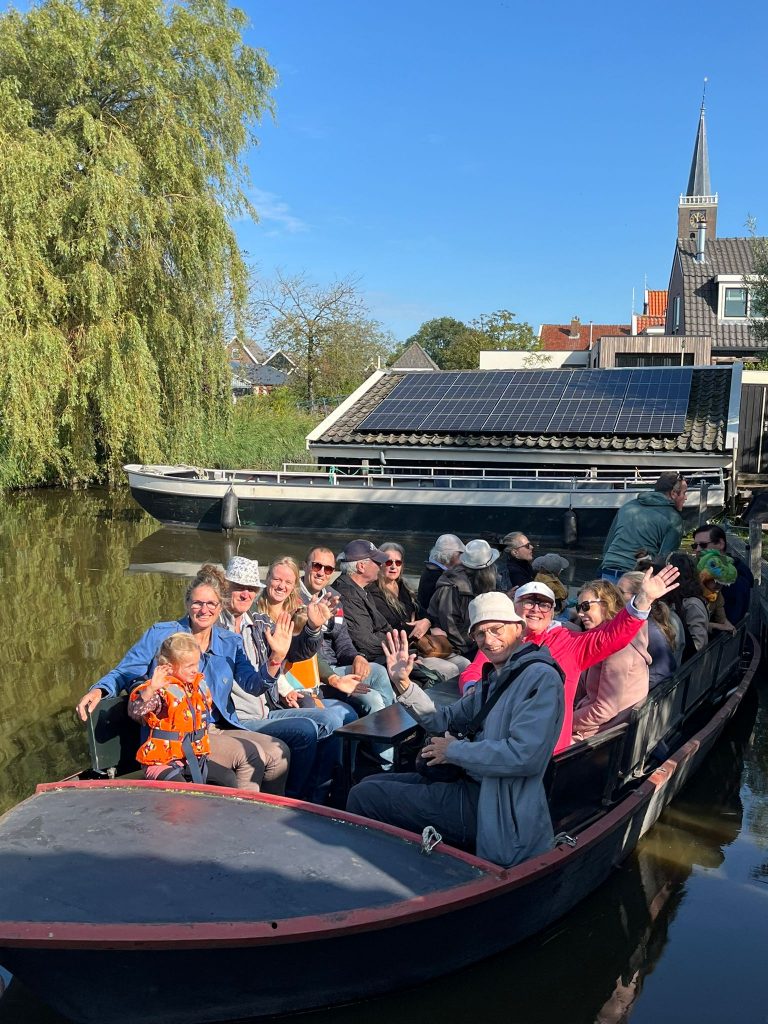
506 748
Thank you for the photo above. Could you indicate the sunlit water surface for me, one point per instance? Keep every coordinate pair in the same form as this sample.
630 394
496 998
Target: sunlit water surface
679 933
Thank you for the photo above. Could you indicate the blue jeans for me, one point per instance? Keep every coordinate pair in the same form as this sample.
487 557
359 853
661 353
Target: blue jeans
301 737
309 734
380 695
613 575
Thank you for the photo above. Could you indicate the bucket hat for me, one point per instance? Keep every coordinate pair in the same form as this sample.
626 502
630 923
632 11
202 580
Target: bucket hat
551 563
478 554
243 571
492 607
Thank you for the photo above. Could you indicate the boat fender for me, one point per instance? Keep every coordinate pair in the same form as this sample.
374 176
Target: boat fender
570 528
229 510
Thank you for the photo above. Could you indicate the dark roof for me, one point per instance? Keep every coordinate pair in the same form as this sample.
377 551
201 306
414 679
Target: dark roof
722 256
554 337
265 376
698 179
705 425
415 358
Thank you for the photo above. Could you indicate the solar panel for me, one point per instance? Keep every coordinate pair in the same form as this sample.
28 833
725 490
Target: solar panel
642 401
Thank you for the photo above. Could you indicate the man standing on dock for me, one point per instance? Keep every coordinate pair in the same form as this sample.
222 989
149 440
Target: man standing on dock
651 521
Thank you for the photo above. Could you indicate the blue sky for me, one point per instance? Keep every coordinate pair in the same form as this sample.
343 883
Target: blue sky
463 157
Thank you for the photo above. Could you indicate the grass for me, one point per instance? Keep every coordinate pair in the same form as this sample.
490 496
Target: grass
266 432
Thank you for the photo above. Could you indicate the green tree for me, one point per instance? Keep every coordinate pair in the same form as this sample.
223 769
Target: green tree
122 129
437 336
758 288
325 329
498 331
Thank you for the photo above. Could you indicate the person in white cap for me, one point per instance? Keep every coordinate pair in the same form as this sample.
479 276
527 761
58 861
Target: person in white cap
448 610
498 806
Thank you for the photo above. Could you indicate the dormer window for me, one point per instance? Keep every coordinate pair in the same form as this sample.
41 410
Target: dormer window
735 303
734 298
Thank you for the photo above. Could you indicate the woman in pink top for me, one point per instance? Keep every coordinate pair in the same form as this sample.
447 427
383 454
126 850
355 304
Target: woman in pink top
575 652
619 681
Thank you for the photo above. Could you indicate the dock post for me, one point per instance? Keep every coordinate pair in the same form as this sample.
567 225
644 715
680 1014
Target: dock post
703 497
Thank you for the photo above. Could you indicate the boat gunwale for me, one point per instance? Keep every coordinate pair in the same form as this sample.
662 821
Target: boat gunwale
496 881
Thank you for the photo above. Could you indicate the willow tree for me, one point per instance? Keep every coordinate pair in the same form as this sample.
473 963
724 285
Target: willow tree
122 131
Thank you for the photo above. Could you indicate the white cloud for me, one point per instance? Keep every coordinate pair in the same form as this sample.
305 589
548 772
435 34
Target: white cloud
274 210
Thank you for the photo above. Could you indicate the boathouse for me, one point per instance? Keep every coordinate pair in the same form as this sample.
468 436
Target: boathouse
531 422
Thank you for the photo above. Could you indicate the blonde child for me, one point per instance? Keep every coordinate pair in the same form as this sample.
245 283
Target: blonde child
174 704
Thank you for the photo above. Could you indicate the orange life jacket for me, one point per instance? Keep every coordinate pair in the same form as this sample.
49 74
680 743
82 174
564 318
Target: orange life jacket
181 722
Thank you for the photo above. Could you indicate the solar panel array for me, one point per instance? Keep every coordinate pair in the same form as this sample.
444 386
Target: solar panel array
631 401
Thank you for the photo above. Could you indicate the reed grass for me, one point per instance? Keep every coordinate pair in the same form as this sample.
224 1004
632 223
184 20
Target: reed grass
266 431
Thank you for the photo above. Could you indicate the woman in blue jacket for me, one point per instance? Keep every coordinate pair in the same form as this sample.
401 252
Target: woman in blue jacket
239 758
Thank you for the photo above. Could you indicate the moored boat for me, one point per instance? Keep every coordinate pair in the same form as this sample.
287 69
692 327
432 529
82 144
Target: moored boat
467 499
165 903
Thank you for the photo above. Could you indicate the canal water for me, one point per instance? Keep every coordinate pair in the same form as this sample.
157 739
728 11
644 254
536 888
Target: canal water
678 933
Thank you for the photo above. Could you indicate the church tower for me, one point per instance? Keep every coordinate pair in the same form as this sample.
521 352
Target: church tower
698 206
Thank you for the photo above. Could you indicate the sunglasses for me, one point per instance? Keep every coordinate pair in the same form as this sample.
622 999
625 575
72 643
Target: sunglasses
695 545
394 561
319 567
518 546
583 606
532 602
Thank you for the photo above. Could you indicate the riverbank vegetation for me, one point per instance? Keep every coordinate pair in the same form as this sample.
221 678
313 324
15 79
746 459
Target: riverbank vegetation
264 432
122 132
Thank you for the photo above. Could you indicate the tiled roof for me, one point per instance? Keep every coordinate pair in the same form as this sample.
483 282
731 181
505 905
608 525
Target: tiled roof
555 337
722 256
415 358
644 322
266 376
657 303
705 426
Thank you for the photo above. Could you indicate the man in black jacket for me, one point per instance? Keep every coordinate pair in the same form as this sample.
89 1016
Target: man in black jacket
359 564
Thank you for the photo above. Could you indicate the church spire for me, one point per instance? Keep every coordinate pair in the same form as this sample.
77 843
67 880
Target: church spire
698 205
698 179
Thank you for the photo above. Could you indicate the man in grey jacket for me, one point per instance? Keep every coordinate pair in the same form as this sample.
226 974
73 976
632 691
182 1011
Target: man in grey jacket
498 807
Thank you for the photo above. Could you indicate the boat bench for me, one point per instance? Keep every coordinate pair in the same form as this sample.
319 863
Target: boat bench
658 721
113 739
580 780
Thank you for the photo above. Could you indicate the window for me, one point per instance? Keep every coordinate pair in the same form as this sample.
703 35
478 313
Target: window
625 359
676 314
735 303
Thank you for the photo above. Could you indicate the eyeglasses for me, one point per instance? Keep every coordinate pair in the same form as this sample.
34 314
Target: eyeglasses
319 567
695 545
210 606
394 561
490 631
583 607
526 545
530 603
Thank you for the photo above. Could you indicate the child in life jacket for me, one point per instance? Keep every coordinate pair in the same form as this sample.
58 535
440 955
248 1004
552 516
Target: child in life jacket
174 704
